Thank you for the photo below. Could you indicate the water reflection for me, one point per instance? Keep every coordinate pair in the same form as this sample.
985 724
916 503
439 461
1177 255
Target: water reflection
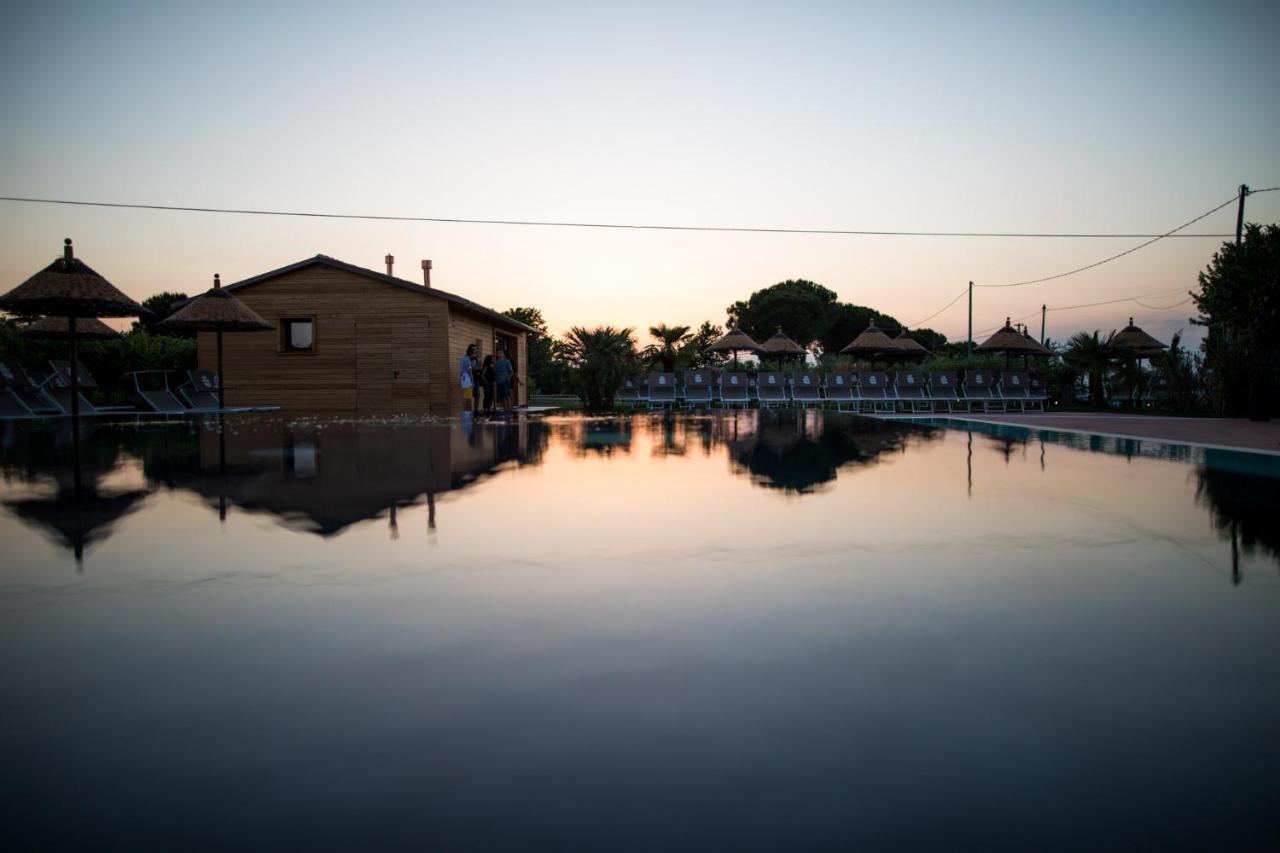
323 476
1239 489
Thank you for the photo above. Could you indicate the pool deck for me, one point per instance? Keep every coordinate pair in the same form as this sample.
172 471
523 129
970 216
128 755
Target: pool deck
1230 433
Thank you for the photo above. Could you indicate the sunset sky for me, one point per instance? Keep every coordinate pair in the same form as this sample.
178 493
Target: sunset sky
1089 117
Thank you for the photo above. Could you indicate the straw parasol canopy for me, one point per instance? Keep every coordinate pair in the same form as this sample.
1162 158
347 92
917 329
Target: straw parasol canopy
87 329
780 346
870 344
735 341
216 311
910 347
1137 343
1011 342
69 288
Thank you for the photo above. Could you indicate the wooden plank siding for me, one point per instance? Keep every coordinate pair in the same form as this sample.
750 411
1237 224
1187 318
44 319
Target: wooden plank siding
378 348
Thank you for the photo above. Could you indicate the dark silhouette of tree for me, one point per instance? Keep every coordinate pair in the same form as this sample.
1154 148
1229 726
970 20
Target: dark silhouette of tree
161 305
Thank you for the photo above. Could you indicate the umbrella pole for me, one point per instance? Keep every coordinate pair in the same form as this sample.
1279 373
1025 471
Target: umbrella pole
75 405
222 382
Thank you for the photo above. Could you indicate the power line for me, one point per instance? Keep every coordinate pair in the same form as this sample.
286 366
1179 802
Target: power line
605 225
940 310
1138 299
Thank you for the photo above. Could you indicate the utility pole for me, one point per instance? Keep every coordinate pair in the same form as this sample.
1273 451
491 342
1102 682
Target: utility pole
1244 191
1042 312
970 318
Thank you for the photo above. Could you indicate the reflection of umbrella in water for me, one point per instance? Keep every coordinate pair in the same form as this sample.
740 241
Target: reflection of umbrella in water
77 521
871 344
216 311
735 341
69 288
781 346
55 328
1010 342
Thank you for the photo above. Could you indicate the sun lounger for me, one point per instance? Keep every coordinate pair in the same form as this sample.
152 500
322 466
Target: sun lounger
771 388
1015 389
201 393
944 389
873 391
841 390
912 391
628 392
980 388
160 400
20 395
58 387
806 388
662 389
734 389
697 388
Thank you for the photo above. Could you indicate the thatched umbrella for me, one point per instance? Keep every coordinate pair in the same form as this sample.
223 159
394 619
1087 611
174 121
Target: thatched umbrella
780 346
69 288
871 344
1132 342
76 519
735 341
1011 342
216 311
87 329
909 347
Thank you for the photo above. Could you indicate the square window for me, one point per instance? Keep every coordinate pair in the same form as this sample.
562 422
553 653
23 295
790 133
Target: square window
297 335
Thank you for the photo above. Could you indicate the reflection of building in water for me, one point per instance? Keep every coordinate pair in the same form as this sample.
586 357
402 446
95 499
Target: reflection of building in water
324 476
800 450
595 436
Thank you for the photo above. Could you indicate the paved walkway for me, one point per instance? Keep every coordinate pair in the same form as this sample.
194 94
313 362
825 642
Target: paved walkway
1209 432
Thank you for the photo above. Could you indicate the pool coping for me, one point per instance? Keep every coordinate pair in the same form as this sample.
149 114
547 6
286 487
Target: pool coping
1075 431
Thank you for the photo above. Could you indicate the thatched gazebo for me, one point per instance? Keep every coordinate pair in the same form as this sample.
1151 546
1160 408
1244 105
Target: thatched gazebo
735 341
55 328
216 311
871 344
910 349
1011 342
1136 343
69 288
781 346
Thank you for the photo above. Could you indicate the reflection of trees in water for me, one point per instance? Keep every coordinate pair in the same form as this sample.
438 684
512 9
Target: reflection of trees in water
800 451
1242 506
595 436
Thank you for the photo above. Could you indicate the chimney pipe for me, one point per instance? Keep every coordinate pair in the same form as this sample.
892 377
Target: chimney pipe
391 261
426 274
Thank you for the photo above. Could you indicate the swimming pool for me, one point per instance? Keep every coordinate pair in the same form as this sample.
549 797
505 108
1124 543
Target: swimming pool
751 630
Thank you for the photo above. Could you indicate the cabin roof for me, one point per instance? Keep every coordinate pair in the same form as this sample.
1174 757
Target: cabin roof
334 263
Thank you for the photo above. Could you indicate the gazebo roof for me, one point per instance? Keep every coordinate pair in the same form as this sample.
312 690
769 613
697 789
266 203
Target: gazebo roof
737 340
87 329
68 287
1136 341
871 342
1009 340
215 310
781 344
910 345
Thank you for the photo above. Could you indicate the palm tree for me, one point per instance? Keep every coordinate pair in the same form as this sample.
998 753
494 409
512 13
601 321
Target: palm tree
669 339
1091 354
602 358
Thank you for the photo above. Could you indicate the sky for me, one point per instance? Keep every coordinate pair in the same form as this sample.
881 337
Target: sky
1090 117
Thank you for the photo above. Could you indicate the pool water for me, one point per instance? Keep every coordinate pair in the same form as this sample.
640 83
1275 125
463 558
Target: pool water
753 630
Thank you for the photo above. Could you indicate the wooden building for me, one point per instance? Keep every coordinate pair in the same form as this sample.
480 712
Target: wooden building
350 339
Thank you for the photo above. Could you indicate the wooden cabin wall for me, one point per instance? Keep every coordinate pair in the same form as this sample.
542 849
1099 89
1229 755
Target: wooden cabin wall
468 327
378 348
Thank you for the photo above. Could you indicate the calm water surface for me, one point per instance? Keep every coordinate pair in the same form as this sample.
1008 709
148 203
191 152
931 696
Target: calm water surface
746 631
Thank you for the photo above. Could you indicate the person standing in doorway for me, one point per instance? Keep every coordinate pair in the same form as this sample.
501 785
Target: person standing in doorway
467 378
503 373
488 380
